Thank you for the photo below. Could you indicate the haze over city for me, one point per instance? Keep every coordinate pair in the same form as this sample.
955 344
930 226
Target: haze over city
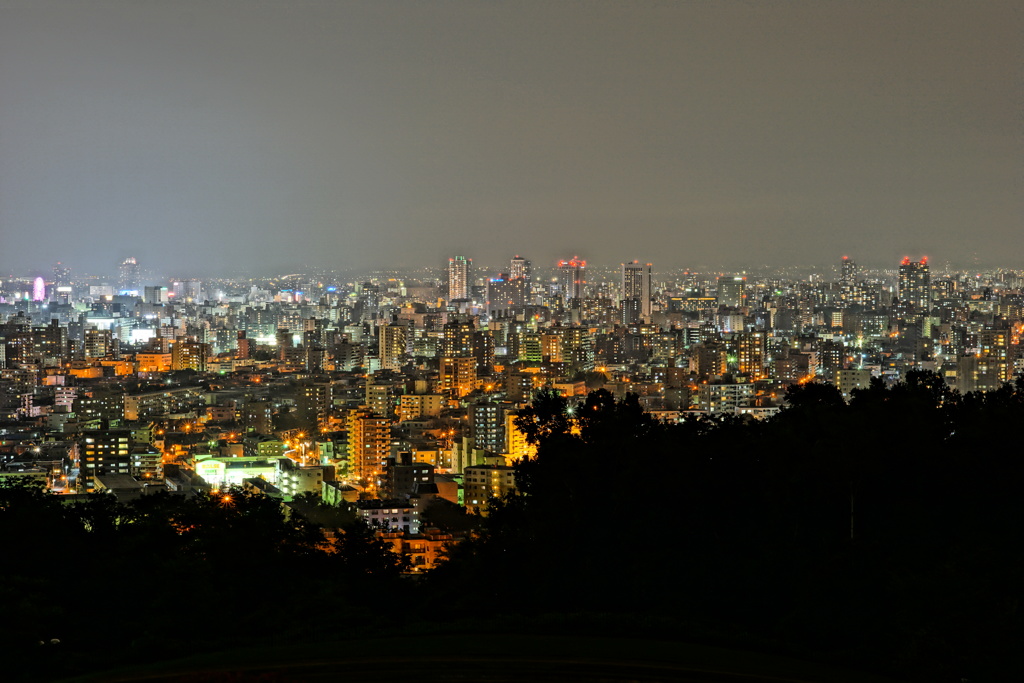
202 136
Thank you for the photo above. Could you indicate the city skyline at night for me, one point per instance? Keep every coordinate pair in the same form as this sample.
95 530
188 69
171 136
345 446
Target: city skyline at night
530 340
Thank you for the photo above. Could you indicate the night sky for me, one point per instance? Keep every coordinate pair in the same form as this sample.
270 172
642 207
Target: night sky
203 136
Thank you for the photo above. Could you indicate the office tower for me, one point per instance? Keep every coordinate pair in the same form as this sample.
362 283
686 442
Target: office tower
636 286
368 300
847 272
732 291
458 278
129 275
505 293
629 311
497 296
520 269
155 294
61 275
39 289
193 290
572 277
392 346
914 285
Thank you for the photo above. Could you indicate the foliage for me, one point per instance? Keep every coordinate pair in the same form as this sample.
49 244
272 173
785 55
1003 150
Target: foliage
448 517
884 531
102 574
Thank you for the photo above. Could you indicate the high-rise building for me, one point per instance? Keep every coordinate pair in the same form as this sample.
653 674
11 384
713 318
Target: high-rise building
752 351
914 285
487 424
61 275
505 293
732 291
193 290
313 402
392 346
129 275
189 355
636 286
578 348
520 269
572 277
50 341
483 352
458 278
39 289
458 336
369 444
100 344
847 272
457 376
382 396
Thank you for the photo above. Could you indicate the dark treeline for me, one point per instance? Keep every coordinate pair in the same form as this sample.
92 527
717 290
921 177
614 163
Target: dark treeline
884 534
166 576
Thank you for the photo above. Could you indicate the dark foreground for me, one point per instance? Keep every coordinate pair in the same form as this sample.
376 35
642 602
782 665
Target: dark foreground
493 658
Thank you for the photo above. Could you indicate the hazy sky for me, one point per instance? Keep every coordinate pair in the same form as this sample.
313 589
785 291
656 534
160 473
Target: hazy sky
199 135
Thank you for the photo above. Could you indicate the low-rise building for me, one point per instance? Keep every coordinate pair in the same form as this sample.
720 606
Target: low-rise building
482 483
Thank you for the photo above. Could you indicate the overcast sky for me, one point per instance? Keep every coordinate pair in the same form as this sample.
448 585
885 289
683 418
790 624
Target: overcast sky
204 135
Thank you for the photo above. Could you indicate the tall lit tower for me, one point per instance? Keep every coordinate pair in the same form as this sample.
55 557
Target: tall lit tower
61 275
392 346
458 277
129 275
520 269
847 272
732 291
572 277
914 284
636 285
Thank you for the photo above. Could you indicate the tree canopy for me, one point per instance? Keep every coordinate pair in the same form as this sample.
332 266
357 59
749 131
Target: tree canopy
887 528
116 579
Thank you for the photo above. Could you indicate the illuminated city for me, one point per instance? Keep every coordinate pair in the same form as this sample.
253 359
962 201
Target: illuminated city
623 340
